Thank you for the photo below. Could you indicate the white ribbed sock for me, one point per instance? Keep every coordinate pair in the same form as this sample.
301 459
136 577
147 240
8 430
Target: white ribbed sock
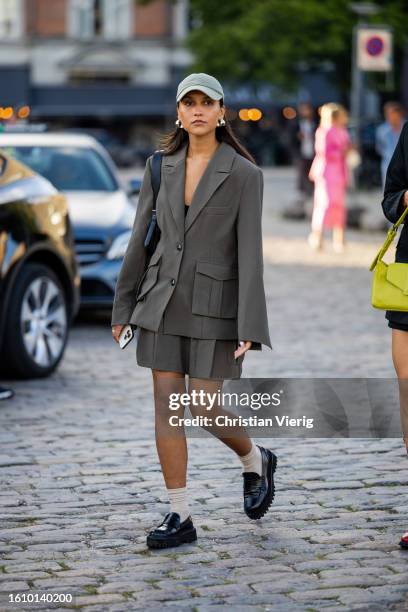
252 462
178 502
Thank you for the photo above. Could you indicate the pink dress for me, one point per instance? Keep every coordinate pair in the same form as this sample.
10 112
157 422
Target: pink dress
330 175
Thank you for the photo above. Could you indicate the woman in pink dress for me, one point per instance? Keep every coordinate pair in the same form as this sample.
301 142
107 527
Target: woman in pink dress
330 175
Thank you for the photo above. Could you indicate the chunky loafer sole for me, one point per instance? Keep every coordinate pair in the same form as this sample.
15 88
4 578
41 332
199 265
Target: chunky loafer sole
263 508
174 539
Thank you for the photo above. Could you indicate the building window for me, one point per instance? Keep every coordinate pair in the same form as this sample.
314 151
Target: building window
100 19
118 18
181 17
11 18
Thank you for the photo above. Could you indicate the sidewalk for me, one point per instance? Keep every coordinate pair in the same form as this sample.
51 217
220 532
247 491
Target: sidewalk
81 482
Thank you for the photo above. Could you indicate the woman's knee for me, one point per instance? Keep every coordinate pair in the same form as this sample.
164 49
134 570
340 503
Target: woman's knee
401 368
204 398
168 387
197 410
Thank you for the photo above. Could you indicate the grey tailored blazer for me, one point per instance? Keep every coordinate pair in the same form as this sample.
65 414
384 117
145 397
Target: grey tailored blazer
205 277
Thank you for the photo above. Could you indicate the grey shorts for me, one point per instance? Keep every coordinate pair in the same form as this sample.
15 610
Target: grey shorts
197 357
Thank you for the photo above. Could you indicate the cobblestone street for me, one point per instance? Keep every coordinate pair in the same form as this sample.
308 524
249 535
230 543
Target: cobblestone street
81 482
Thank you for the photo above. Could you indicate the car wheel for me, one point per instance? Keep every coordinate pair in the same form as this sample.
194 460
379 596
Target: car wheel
37 323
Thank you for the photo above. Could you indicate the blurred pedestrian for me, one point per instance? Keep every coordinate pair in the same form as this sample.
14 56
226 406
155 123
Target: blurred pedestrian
330 175
387 134
302 144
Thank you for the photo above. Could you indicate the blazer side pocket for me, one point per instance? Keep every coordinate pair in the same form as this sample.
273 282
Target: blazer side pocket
215 290
149 277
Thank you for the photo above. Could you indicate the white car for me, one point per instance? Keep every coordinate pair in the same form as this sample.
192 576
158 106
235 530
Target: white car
101 210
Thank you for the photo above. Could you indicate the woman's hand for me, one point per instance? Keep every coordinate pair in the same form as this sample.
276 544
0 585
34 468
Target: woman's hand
116 331
405 200
242 349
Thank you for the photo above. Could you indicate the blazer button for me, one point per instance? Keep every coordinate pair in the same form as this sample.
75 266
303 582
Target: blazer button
179 246
173 282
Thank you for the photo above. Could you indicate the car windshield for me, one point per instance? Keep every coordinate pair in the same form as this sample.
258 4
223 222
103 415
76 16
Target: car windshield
67 168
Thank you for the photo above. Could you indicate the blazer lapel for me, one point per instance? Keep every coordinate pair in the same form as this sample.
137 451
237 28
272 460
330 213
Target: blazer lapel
217 170
174 178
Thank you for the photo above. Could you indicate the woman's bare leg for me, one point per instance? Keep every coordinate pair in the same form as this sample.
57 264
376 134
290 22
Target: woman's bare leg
315 239
170 440
400 360
338 239
234 436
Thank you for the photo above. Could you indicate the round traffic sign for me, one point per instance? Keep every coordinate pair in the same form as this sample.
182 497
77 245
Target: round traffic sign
374 46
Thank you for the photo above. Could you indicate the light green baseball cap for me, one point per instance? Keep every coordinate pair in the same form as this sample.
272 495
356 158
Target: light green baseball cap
203 82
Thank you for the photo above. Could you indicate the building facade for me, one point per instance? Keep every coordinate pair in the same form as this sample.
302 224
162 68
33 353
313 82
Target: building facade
91 62
114 65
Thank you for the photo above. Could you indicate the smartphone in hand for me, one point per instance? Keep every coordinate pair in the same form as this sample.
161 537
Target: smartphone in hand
126 335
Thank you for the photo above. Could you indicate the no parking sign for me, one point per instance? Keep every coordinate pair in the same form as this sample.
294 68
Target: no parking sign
374 49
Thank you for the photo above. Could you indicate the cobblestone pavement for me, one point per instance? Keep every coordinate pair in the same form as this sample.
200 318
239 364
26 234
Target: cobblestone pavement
81 483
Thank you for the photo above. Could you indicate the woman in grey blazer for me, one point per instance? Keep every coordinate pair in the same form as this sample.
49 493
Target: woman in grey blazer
200 302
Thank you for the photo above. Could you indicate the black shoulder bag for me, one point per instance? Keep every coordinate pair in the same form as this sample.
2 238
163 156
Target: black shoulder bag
153 231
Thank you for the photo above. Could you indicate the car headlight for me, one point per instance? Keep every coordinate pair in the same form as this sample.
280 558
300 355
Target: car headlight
119 246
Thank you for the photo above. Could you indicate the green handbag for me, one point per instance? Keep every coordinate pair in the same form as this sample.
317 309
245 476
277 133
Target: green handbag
390 282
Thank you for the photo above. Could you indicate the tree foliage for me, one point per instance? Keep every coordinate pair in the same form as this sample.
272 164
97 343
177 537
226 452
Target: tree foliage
271 40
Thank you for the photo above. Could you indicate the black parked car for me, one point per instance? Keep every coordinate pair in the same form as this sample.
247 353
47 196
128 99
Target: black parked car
39 279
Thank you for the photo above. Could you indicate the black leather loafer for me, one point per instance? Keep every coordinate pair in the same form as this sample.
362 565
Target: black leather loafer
171 532
259 491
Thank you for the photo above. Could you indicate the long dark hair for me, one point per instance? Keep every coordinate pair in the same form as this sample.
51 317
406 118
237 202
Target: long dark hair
172 142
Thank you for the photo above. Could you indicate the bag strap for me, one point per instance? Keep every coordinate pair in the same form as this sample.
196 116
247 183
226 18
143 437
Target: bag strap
155 171
389 239
155 167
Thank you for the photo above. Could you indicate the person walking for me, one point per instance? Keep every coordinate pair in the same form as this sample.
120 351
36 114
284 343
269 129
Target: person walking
200 303
330 175
387 134
303 146
393 204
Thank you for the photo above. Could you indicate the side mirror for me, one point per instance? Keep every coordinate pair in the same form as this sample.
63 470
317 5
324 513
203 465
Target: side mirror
134 186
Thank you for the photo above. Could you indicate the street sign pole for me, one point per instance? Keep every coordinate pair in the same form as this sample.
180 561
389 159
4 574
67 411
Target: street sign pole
356 89
362 10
